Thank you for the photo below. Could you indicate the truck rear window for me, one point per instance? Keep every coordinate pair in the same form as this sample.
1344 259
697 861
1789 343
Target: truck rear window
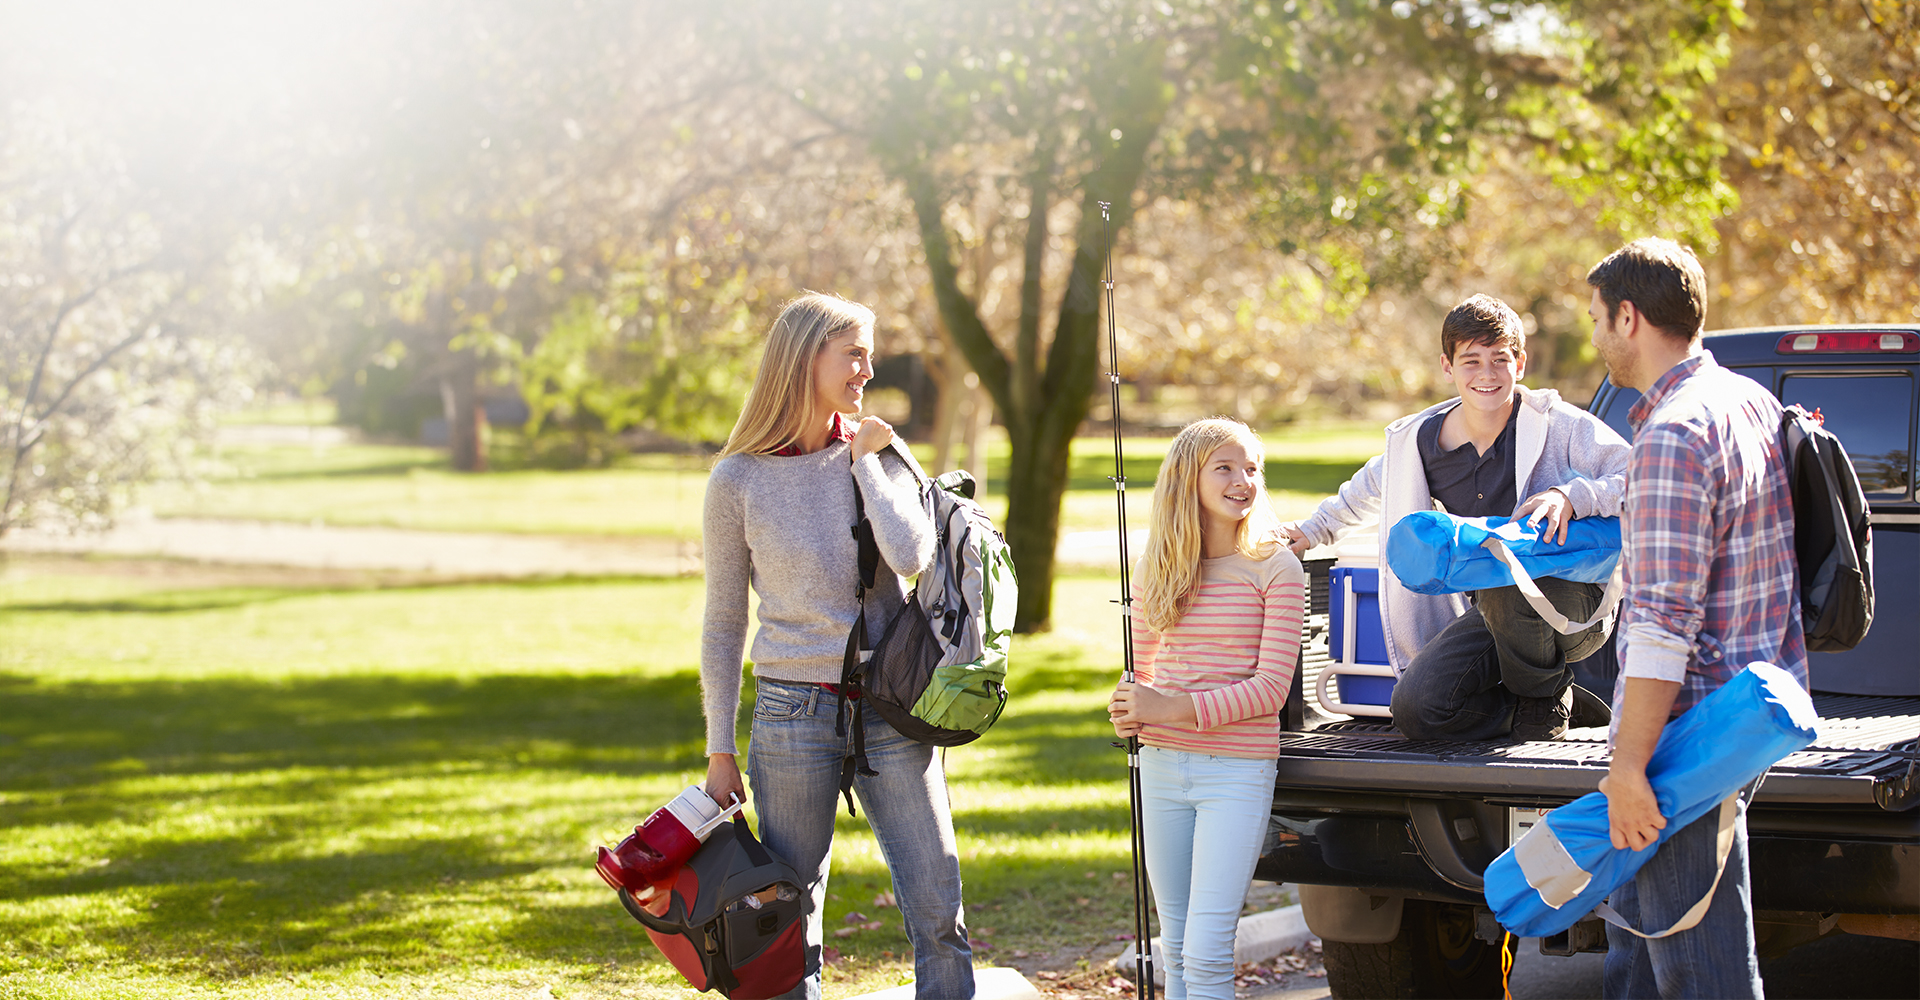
1872 414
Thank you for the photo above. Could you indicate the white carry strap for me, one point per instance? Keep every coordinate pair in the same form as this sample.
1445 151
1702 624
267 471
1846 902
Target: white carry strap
1729 811
1616 586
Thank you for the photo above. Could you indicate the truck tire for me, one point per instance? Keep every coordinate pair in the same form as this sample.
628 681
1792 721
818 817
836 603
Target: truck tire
1436 955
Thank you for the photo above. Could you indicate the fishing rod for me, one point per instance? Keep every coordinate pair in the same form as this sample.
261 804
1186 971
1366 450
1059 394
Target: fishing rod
1142 930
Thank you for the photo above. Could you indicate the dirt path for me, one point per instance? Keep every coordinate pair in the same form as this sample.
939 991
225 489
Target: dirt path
440 553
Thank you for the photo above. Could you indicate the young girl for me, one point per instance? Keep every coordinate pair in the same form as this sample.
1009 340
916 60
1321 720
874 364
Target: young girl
1216 634
779 514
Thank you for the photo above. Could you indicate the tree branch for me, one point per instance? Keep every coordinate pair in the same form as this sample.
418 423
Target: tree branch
139 333
67 308
1027 345
960 314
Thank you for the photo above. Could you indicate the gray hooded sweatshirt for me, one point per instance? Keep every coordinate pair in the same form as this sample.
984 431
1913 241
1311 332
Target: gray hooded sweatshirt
1556 445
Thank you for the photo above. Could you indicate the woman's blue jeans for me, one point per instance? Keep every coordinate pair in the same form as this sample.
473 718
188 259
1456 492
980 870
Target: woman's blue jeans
793 762
1205 819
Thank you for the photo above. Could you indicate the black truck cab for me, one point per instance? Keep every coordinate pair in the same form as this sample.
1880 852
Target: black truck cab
1863 381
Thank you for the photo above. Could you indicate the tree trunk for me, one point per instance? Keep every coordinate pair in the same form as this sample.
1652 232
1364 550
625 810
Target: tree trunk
460 398
949 372
979 419
1038 478
1042 407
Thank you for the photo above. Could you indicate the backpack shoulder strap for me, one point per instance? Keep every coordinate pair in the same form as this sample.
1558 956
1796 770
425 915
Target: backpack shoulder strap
859 650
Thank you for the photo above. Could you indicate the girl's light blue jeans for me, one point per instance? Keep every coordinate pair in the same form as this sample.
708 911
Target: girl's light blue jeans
1205 819
793 763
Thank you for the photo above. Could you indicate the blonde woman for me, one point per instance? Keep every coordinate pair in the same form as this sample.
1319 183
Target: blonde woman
1216 633
779 514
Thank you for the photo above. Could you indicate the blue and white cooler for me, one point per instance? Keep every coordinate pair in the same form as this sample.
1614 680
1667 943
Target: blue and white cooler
1360 677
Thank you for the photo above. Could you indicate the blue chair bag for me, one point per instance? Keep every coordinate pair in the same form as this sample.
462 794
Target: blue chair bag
1433 552
1566 865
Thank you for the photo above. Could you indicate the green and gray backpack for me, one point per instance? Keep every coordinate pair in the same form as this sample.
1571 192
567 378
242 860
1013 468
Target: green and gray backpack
939 674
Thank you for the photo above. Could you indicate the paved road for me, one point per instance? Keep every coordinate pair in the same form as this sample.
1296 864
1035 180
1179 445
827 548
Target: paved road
1842 966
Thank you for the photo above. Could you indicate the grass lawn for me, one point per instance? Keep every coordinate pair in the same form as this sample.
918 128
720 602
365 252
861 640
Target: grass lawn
660 495
244 783
405 486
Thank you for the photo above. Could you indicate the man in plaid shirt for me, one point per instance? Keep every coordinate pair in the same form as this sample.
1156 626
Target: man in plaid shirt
1711 586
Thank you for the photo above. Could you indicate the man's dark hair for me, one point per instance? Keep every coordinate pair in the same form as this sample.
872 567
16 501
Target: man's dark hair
1485 320
1662 279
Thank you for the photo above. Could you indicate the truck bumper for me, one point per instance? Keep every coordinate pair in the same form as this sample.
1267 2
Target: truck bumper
1438 849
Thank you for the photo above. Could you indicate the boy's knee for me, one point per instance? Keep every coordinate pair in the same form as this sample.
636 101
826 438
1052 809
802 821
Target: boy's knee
1503 608
1410 712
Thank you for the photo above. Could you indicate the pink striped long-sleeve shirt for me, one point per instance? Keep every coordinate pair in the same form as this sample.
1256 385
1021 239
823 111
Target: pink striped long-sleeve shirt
1235 651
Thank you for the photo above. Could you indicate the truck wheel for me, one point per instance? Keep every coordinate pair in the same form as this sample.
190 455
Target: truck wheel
1436 955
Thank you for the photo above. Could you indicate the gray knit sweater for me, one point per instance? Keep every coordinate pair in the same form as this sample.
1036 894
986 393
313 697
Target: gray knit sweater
784 523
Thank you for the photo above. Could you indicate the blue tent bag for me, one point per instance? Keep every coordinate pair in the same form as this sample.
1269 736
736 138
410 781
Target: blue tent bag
1566 865
1433 552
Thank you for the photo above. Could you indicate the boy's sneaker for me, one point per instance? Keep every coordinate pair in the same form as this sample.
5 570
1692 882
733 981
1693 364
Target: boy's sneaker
1542 718
1589 710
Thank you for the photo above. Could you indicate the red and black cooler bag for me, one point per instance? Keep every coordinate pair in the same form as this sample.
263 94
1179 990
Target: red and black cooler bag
731 920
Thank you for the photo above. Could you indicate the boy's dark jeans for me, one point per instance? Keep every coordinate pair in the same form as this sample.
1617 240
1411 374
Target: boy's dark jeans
1465 683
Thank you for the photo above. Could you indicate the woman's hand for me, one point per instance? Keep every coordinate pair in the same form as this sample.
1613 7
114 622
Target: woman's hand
1134 703
723 780
873 435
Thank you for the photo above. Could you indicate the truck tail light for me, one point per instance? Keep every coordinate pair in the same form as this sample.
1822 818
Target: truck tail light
1850 342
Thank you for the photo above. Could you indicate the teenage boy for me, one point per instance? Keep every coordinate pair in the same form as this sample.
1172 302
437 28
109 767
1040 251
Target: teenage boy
1710 577
1493 668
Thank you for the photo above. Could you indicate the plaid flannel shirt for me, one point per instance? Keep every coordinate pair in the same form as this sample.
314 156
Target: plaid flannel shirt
1712 582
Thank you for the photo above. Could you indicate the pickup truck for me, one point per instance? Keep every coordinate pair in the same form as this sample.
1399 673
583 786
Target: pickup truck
1387 838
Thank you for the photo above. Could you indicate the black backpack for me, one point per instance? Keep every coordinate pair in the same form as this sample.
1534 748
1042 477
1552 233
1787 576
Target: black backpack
938 675
1832 534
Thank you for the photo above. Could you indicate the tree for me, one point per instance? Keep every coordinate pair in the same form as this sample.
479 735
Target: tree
530 200
1334 130
1820 105
108 359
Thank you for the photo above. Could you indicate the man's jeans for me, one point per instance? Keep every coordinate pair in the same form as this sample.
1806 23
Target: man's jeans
1714 958
1205 820
793 761
1465 683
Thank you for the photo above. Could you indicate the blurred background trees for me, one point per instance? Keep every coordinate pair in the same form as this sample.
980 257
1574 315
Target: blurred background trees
558 233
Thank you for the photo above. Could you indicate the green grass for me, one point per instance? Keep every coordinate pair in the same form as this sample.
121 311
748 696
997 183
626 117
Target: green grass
399 486
660 495
251 784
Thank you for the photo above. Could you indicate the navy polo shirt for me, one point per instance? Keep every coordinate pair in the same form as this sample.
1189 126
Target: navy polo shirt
1470 483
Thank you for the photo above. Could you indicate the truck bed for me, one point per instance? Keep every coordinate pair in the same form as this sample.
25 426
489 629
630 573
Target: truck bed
1357 804
1862 738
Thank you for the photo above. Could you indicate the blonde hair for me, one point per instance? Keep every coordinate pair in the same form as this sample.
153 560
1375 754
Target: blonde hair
1169 570
781 403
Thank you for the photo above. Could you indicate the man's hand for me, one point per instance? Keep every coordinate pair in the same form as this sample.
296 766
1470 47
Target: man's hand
873 435
723 780
1633 814
1552 507
1296 539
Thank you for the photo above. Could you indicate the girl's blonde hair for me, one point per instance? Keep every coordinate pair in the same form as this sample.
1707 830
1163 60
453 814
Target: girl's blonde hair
781 403
1169 570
